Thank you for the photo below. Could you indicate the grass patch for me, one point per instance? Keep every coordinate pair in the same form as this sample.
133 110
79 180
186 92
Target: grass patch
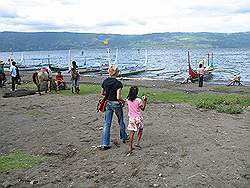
235 89
227 103
230 109
85 89
28 86
37 113
18 160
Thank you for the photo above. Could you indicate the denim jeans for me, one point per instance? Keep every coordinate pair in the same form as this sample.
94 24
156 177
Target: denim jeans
111 107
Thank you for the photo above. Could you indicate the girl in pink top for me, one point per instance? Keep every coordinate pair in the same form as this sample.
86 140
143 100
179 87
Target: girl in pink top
135 106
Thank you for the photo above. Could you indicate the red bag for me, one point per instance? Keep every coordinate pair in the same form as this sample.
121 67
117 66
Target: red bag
101 106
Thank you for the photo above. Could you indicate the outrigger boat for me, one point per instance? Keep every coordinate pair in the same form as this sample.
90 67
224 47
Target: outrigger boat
208 70
87 69
135 69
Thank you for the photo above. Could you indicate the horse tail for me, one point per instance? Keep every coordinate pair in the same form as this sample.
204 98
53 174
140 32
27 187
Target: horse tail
35 78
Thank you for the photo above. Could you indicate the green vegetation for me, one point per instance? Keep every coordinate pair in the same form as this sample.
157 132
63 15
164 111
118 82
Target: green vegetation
221 102
36 113
25 41
227 103
231 89
17 160
85 89
28 86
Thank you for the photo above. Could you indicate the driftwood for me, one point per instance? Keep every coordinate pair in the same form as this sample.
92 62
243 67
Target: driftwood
19 93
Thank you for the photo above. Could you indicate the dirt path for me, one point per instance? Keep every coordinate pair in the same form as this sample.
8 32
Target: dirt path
181 147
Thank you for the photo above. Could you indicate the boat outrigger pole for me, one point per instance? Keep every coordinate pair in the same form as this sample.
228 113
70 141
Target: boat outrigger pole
146 58
109 56
69 56
116 56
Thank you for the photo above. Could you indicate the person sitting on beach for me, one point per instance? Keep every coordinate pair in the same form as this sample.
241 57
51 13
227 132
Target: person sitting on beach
201 72
236 79
59 80
187 80
75 78
135 106
2 74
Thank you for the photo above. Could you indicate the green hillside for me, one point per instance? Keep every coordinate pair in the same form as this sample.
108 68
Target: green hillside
20 41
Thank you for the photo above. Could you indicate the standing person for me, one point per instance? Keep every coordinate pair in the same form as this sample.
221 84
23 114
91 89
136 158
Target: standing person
2 74
112 89
49 77
201 72
75 77
135 106
13 74
18 77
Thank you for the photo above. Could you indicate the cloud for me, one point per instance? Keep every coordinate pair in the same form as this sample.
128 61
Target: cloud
114 23
125 16
244 10
7 13
69 2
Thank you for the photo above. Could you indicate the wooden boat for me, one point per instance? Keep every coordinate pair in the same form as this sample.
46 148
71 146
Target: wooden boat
193 74
129 72
94 69
55 68
154 69
134 70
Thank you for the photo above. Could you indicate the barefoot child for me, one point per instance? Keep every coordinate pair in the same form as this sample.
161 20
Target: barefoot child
135 106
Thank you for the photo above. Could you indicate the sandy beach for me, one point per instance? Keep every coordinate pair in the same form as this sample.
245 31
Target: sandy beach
182 146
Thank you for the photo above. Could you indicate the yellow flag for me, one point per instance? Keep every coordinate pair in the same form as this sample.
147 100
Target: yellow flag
106 42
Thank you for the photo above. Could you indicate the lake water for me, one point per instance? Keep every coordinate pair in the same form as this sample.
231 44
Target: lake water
227 62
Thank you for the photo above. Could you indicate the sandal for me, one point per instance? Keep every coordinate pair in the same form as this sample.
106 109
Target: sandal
138 146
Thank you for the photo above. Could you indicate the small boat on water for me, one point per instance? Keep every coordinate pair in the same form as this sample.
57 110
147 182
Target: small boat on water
208 69
134 70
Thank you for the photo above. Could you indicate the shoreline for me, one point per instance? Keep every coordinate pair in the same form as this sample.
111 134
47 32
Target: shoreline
147 82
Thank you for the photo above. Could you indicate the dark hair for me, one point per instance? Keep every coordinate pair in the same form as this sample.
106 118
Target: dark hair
59 72
133 92
13 63
73 62
200 65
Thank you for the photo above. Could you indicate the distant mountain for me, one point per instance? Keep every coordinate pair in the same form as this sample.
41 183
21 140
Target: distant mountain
25 41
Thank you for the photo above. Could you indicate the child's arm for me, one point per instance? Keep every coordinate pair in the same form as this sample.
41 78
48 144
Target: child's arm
144 103
119 96
102 92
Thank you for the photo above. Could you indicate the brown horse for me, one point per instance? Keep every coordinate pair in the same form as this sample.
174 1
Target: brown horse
42 77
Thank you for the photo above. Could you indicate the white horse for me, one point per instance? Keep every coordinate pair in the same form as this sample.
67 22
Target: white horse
41 77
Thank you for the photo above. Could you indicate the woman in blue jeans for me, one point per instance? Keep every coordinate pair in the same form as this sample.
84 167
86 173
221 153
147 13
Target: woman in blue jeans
111 89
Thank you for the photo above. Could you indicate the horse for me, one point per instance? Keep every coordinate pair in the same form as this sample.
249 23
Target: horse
42 77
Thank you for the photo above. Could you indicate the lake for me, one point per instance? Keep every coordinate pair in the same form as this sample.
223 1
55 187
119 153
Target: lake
227 62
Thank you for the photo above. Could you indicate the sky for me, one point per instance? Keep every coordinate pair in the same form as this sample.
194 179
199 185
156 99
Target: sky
125 16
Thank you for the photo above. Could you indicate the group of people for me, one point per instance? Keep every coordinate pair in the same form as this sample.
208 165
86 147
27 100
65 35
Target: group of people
14 73
75 78
59 79
201 72
112 90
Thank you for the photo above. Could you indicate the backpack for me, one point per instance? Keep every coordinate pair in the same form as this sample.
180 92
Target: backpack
101 105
